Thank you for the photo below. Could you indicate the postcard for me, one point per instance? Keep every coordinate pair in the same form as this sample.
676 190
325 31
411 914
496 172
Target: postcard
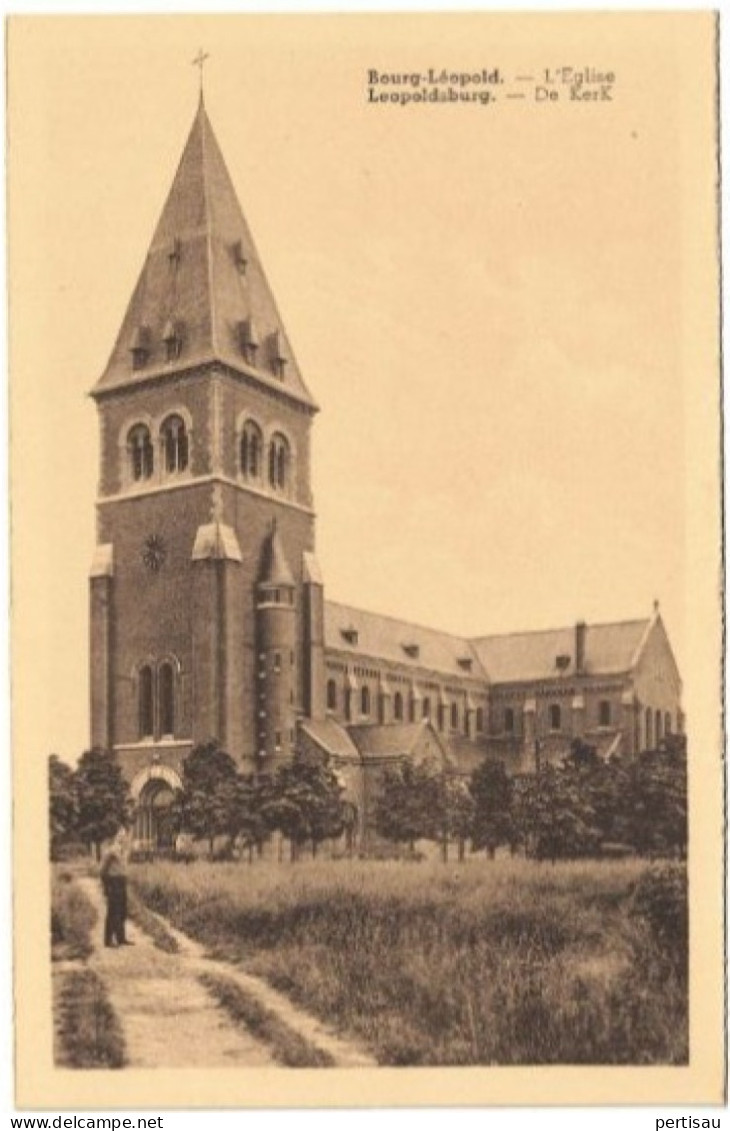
366 546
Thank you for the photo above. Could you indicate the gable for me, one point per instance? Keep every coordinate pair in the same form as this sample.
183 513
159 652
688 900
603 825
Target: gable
418 741
656 667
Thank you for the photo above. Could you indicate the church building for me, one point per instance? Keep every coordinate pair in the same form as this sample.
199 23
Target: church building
207 605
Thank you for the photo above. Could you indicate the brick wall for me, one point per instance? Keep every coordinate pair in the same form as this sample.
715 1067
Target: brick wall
184 606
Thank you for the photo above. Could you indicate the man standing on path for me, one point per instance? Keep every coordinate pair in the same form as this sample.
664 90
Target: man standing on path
113 875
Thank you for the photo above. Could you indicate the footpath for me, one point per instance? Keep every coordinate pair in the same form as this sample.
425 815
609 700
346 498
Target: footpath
170 1020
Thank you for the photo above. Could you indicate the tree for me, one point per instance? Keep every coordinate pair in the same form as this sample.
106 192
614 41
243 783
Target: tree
404 806
102 798
554 815
208 803
62 806
450 811
492 790
250 817
655 799
306 803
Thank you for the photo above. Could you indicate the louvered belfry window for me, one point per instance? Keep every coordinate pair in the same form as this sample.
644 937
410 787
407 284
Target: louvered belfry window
141 452
175 444
250 454
279 462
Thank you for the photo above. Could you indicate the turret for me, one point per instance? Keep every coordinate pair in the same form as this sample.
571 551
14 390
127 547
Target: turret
276 636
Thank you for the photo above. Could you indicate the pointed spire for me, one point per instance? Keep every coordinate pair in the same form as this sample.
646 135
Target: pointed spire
203 272
275 568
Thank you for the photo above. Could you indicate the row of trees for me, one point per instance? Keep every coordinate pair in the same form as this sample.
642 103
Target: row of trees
583 807
303 801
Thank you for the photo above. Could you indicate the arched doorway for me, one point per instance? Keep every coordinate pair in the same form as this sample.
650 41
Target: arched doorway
154 825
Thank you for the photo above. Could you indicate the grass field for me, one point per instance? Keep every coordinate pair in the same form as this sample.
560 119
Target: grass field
508 962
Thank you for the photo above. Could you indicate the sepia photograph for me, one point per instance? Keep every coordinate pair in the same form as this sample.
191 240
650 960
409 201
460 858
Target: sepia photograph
366 546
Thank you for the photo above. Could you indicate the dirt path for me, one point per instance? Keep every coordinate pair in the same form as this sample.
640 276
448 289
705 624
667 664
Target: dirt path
170 1021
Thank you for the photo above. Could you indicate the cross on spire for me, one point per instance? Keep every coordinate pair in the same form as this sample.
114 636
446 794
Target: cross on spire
199 62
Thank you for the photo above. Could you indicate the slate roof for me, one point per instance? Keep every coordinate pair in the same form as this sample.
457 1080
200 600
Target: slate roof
387 638
394 740
508 658
609 649
194 279
331 737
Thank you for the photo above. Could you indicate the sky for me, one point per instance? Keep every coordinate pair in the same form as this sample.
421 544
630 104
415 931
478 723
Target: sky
489 303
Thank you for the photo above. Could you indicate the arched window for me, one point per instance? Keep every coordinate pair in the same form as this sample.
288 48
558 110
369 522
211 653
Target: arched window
427 708
174 444
398 707
331 695
365 701
480 719
141 453
667 723
555 716
648 734
279 462
166 692
251 450
509 720
146 703
454 716
658 727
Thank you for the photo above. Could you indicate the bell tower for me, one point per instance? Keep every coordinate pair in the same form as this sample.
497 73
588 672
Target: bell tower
205 528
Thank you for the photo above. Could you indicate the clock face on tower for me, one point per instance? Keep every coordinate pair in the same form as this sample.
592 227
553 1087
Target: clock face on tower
154 552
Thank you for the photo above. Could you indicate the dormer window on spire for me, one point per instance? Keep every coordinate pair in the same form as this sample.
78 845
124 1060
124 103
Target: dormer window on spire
172 337
239 259
175 254
248 340
140 347
278 357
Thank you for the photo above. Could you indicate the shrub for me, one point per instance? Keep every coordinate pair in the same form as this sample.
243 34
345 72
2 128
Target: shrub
88 1034
659 898
72 919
